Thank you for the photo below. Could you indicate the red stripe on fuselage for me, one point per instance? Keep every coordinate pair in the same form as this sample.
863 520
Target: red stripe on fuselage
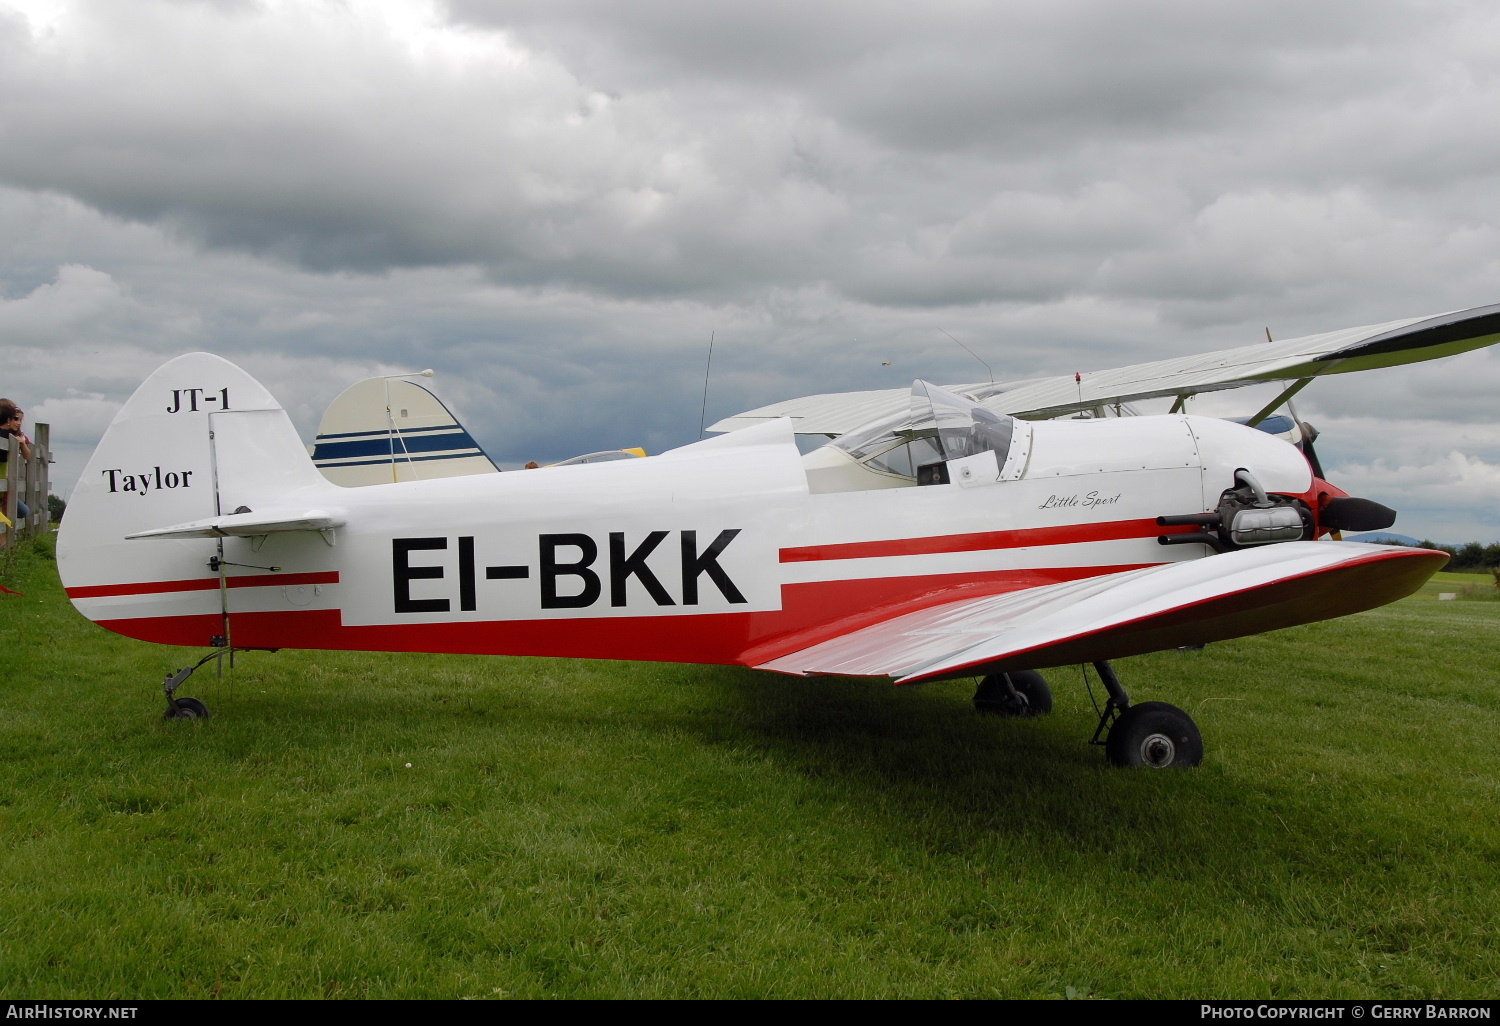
1115 530
1112 531
810 613
203 584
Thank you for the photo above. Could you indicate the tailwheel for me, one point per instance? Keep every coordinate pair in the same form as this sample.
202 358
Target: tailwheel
186 709
1154 734
1019 693
190 708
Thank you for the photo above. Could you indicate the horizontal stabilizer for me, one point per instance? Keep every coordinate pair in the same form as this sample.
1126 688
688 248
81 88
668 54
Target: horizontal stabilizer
1215 598
249 525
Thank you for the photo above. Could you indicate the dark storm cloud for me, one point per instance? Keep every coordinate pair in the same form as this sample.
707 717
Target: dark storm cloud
961 74
316 137
555 203
668 149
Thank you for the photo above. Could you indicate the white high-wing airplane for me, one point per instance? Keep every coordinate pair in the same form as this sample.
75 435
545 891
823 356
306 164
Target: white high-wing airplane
940 538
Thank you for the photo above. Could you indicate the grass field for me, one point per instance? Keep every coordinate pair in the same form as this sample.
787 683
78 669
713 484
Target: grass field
615 829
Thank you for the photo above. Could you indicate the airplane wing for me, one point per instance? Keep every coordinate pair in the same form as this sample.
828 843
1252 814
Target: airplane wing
832 413
249 525
1188 603
1334 352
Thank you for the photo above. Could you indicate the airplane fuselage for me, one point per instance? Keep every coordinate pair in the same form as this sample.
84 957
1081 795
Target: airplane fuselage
715 553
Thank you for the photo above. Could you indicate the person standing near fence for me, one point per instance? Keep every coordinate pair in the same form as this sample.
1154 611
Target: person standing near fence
10 424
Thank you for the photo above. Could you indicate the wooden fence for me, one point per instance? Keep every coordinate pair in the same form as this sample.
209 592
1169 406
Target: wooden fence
26 481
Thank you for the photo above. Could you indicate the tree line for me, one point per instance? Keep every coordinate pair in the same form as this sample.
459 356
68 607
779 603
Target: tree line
1472 556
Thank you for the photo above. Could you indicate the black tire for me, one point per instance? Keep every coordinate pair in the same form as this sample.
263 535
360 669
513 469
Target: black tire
1155 735
993 698
187 709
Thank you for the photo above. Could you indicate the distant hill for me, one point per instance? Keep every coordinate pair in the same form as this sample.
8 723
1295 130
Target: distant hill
1386 536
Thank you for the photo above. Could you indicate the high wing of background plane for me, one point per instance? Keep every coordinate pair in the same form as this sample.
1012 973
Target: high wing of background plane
387 429
1297 360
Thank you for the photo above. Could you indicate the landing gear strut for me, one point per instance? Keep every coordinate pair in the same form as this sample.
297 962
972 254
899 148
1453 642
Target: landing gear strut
1152 734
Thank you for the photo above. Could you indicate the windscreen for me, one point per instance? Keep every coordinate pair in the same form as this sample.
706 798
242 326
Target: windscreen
892 445
939 425
964 427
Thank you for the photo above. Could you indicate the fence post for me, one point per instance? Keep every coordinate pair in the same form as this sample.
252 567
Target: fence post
39 474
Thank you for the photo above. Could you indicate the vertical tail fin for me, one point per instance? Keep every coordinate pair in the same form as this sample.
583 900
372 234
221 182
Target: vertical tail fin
198 439
381 430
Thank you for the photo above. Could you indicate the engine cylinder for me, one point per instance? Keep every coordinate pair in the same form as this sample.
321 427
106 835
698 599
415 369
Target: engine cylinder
1260 526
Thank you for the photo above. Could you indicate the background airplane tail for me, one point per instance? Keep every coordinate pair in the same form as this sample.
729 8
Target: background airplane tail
381 430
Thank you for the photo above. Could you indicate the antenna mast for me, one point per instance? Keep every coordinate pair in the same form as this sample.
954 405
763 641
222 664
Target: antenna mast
973 354
703 413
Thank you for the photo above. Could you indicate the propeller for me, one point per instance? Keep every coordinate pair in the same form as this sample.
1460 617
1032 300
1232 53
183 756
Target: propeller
1352 514
1309 435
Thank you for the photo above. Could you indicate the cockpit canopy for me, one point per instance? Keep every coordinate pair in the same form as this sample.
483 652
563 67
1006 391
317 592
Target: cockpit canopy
939 425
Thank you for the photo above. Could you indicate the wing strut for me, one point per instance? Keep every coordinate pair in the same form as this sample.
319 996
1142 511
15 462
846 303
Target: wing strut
1271 407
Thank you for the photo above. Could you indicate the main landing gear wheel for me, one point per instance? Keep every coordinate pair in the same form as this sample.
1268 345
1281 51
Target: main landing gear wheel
1154 734
1027 694
186 709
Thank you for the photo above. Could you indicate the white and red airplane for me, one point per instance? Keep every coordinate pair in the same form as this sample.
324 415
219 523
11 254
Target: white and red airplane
943 537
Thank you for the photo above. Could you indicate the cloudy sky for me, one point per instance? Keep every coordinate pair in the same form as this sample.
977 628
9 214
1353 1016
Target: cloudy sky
555 203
